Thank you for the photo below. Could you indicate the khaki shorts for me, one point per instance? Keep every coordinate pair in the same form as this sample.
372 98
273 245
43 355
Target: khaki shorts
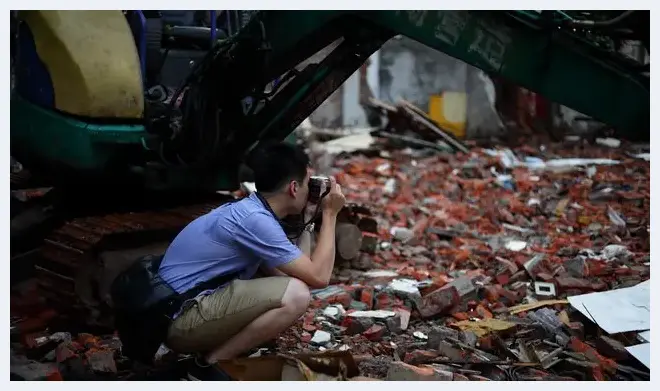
215 318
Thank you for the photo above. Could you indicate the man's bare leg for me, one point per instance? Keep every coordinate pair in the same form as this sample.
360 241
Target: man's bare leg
268 325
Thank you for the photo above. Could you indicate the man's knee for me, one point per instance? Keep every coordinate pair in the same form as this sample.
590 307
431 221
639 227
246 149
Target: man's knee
297 296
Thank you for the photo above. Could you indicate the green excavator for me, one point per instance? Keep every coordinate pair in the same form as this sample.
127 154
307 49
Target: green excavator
136 119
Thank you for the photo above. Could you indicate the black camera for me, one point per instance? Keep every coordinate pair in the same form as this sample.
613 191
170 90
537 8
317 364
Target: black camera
319 187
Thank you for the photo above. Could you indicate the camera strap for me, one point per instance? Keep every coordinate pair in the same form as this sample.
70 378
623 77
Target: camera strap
297 227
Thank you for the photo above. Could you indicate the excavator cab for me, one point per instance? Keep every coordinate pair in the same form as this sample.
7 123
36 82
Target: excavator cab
104 70
169 42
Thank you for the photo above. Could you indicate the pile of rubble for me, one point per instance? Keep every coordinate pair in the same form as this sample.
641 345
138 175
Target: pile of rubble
471 264
485 261
38 354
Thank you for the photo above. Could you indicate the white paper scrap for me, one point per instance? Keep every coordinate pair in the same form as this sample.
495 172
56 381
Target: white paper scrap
642 352
619 310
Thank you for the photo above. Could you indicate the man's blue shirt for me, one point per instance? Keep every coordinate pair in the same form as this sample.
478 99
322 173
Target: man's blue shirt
238 237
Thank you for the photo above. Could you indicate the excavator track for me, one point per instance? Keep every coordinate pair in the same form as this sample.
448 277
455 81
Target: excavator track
80 259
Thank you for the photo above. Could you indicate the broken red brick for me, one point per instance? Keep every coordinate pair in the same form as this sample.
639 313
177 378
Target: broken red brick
520 275
591 353
400 371
375 333
55 376
417 357
569 283
491 294
437 283
309 327
459 377
502 278
386 300
483 312
439 302
546 277
367 297
460 316
600 268
305 337
87 340
511 297
356 325
343 298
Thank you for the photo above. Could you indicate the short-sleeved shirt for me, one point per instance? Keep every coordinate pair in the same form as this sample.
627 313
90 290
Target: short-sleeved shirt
233 238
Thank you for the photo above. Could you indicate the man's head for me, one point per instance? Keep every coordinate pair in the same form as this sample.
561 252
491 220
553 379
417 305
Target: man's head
281 173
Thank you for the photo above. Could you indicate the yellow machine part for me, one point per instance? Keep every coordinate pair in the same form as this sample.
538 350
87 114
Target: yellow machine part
92 61
449 110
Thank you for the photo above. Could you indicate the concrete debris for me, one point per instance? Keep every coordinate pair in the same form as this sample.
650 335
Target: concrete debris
321 337
420 335
378 314
380 273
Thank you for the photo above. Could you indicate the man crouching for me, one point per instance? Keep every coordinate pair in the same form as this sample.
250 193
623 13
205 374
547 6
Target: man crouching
240 238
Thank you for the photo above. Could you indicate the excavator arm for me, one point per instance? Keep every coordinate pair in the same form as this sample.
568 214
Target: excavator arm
557 59
80 114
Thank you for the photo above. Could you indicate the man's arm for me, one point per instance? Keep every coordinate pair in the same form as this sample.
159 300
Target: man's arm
304 243
316 272
263 237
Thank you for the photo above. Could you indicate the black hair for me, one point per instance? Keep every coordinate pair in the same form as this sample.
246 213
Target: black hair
275 164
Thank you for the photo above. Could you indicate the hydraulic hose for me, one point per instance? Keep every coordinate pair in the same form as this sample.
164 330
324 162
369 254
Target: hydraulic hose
603 23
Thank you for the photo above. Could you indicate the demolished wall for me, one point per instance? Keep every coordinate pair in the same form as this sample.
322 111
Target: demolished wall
413 71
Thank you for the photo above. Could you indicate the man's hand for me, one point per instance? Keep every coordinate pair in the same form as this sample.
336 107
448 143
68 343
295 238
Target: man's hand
316 272
335 200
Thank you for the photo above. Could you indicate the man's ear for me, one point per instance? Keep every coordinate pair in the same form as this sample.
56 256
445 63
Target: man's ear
294 187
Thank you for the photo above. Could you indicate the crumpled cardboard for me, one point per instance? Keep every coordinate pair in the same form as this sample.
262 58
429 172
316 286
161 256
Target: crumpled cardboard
326 366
